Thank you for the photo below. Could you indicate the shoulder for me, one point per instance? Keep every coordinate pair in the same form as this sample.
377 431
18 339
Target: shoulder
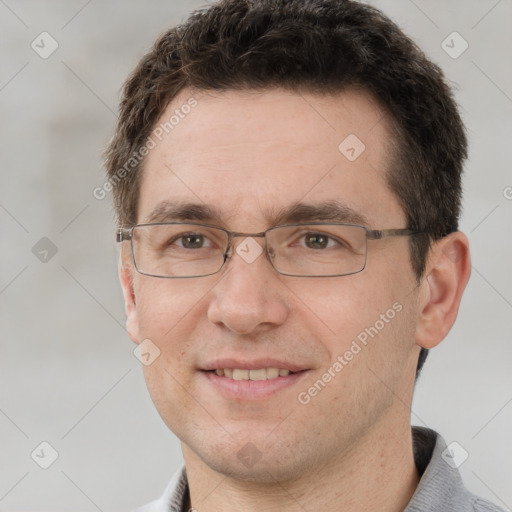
441 488
481 505
174 497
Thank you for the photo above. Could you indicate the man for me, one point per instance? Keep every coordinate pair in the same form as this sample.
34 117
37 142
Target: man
287 180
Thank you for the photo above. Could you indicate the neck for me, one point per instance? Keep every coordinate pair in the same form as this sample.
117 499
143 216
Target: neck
377 473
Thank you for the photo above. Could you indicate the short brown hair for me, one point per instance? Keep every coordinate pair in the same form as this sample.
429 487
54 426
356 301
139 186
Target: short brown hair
322 46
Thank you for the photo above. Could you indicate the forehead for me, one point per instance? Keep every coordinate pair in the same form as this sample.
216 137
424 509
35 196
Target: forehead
250 155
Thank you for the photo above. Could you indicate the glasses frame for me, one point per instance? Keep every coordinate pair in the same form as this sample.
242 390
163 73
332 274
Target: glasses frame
126 235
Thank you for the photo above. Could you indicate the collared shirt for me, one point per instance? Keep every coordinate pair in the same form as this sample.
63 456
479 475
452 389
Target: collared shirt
440 488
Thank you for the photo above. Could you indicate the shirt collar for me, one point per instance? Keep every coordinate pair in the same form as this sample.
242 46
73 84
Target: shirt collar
440 486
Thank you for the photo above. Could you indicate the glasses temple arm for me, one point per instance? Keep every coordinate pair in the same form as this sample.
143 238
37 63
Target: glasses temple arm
375 234
123 234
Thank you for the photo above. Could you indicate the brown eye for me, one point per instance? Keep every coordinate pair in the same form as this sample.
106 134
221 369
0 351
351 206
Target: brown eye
316 240
192 241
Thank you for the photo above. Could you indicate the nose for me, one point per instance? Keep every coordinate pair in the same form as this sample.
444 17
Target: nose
249 297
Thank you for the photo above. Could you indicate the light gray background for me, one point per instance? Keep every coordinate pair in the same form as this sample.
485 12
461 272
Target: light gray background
67 372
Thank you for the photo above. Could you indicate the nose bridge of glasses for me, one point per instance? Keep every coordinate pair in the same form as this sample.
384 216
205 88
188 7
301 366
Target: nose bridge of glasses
243 236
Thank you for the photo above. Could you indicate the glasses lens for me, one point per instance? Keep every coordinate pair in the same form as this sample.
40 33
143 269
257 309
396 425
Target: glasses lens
318 249
178 250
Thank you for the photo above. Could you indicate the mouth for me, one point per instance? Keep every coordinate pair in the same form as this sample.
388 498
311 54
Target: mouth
253 374
256 380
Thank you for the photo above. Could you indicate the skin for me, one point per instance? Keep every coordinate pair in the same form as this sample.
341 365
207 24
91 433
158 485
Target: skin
350 447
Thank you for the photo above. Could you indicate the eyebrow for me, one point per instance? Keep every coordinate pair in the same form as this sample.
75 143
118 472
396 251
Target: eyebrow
331 210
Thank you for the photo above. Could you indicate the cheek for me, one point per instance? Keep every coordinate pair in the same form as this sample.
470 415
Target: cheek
366 321
343 307
165 305
169 312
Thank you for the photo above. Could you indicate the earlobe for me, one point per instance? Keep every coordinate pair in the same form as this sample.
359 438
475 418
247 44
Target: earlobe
447 274
126 273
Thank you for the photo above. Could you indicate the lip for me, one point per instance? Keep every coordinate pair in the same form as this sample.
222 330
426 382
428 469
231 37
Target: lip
250 389
253 364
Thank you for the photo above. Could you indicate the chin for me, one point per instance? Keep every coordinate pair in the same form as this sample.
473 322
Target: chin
250 458
263 471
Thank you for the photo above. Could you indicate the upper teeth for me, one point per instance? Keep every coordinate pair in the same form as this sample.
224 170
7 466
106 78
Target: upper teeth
259 374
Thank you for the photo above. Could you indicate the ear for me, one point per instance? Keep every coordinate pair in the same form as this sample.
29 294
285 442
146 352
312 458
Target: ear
447 273
126 277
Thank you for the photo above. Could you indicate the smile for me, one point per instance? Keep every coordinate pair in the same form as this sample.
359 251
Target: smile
255 374
255 384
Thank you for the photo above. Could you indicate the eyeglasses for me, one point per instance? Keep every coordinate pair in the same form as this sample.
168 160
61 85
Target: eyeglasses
316 249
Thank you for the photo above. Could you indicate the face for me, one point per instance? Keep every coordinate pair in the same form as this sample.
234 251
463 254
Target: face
249 155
